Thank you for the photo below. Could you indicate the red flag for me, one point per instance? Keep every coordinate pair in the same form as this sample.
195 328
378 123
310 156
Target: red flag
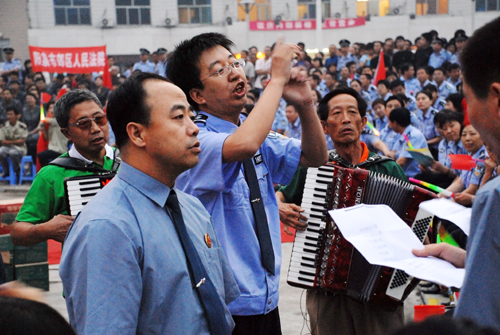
62 92
45 97
106 77
380 71
466 112
462 162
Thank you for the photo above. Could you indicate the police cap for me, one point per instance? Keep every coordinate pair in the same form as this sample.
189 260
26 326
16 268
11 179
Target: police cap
144 51
8 50
344 43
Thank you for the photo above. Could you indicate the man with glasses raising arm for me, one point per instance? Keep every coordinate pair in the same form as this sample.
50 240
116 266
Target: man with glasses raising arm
240 161
45 212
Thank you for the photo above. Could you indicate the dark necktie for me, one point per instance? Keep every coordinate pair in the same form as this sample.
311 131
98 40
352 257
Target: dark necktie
214 309
259 213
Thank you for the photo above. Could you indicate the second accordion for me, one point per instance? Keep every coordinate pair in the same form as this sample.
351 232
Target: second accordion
322 259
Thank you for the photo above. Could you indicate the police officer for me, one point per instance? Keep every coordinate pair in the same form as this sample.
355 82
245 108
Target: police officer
161 67
346 55
408 78
440 55
11 65
13 142
444 88
144 65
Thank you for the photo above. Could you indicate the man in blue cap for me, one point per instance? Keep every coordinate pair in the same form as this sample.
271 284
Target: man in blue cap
144 65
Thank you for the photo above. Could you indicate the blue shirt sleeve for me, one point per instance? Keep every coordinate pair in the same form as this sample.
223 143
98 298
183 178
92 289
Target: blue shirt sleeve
282 156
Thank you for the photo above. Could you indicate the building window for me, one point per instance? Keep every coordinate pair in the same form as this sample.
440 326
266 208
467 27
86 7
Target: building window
307 9
487 5
195 11
72 12
130 12
425 7
260 11
372 7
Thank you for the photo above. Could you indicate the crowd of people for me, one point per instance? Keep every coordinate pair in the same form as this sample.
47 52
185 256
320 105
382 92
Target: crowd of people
186 238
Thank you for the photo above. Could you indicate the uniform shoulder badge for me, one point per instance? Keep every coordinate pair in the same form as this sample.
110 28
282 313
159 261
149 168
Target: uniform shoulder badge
201 118
273 134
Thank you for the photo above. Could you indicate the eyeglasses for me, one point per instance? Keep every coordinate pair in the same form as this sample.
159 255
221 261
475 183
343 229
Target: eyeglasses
224 71
86 124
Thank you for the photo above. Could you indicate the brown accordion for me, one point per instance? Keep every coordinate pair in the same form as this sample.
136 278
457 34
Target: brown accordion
323 259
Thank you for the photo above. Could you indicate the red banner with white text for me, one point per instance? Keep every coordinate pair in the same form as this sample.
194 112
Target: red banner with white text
307 24
71 60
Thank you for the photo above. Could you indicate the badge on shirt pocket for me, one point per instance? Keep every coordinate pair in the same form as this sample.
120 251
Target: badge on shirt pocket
257 159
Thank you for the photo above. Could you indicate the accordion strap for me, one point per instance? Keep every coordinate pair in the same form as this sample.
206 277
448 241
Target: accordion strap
375 159
78 164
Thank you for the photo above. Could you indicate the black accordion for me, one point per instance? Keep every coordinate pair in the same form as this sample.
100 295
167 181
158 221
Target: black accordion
323 259
79 190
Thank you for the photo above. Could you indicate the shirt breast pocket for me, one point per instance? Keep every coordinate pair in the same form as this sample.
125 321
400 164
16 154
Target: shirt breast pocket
214 267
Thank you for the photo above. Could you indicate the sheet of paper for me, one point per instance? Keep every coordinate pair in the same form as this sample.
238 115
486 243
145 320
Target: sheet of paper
451 211
422 156
384 239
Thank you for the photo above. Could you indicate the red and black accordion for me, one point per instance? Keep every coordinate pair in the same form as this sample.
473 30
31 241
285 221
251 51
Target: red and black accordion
79 190
323 259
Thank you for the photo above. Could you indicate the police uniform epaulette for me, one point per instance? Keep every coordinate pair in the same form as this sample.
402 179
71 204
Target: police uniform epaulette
434 111
482 154
201 118
367 132
22 125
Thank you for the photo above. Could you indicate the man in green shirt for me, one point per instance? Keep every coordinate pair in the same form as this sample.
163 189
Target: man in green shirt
343 116
45 212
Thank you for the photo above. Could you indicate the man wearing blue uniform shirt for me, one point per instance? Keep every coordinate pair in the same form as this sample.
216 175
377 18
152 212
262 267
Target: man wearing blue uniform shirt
144 65
408 78
439 55
161 67
479 299
294 129
454 75
399 121
444 88
387 135
398 87
423 79
11 65
215 84
143 257
366 85
346 55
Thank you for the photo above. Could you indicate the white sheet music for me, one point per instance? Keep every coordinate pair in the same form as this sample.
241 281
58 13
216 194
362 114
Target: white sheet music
451 211
384 239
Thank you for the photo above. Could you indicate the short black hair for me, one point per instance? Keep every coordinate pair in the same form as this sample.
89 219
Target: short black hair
476 59
431 88
12 108
405 67
183 69
426 92
23 316
383 82
367 75
379 101
396 83
323 104
426 69
348 65
65 104
401 116
454 66
394 97
456 100
447 115
40 79
127 103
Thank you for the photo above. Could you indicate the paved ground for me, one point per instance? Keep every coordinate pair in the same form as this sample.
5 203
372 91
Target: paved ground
292 300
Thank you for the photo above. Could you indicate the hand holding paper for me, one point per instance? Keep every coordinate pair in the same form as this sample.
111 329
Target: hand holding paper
384 239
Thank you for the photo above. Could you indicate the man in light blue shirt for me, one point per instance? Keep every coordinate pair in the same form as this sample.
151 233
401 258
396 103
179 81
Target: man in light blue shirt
144 65
346 56
215 84
444 87
294 129
399 121
161 67
125 267
440 55
11 65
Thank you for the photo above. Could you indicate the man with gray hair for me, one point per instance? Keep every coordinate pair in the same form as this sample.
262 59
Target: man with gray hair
45 212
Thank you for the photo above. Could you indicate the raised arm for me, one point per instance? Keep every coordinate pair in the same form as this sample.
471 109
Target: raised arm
248 138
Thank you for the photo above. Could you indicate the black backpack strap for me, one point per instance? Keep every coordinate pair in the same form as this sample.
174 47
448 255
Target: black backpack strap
375 159
76 164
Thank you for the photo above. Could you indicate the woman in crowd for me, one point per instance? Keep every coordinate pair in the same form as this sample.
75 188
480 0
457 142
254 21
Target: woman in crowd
467 184
425 120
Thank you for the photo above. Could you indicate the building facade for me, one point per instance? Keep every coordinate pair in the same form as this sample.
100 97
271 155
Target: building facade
124 26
